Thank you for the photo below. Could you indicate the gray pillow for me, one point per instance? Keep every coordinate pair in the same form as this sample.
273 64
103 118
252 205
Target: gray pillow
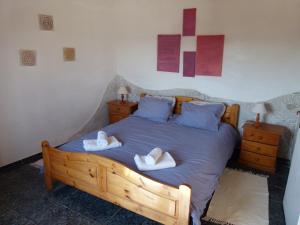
207 116
154 109
169 98
199 102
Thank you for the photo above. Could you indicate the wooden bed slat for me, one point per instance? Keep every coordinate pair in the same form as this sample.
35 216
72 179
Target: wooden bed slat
158 188
145 211
123 188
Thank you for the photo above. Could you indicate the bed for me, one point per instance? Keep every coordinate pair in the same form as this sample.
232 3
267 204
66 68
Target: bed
165 196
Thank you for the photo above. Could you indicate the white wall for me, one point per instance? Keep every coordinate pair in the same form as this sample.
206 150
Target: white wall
53 99
291 198
262 45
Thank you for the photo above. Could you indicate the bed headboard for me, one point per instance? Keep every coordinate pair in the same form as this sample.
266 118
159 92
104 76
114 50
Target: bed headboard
231 114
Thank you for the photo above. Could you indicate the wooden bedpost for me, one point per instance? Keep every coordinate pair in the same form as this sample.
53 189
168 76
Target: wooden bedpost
185 193
47 173
235 115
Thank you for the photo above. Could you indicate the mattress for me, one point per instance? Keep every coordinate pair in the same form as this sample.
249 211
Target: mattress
201 155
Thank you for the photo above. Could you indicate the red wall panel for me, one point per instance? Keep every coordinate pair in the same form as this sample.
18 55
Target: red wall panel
189 22
168 53
189 63
209 57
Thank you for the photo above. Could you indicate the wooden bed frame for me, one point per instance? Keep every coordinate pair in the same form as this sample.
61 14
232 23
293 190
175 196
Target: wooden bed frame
115 182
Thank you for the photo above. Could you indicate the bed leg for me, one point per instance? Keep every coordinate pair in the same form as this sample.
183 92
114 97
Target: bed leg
47 172
184 204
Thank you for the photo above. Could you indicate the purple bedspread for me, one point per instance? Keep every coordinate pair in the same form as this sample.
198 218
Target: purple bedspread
201 156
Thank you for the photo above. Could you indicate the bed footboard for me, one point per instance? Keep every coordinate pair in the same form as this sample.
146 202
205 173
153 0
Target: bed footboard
116 183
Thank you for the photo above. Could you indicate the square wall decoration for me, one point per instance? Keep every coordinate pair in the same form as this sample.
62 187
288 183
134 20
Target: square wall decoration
69 54
46 22
27 57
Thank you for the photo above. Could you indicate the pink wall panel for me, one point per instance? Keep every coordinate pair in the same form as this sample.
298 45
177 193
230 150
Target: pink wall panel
189 22
209 57
189 63
168 53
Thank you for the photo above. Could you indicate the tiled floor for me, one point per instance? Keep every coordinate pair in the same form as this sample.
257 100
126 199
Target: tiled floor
24 201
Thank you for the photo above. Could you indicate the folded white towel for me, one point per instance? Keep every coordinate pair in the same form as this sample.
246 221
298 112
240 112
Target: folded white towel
102 139
153 156
91 145
166 161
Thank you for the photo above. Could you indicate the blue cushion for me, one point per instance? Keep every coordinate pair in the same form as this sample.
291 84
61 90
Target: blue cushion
154 109
207 116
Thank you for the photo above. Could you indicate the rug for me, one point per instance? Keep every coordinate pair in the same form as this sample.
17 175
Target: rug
242 198
38 164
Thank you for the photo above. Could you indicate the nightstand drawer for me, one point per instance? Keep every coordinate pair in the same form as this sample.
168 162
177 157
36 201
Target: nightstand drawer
117 109
113 118
258 159
120 110
263 149
261 137
259 167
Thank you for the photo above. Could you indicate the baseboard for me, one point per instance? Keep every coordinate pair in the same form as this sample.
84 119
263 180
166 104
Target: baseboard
21 162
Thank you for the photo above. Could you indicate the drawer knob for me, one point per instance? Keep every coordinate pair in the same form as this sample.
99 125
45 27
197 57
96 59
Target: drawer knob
91 173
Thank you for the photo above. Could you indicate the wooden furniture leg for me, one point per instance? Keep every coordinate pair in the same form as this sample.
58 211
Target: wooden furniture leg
47 170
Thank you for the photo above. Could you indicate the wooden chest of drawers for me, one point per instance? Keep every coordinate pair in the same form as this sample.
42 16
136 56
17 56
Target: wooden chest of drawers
118 110
260 146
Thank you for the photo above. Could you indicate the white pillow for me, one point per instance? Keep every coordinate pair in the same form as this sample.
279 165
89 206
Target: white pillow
199 102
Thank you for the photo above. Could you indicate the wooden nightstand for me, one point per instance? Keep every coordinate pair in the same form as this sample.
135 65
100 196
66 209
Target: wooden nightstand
118 110
260 146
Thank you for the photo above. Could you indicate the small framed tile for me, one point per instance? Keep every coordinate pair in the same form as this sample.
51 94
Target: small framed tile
27 57
69 54
46 22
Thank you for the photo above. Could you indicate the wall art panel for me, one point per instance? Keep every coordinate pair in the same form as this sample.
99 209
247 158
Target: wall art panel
189 22
27 57
46 22
69 54
209 58
168 53
189 63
